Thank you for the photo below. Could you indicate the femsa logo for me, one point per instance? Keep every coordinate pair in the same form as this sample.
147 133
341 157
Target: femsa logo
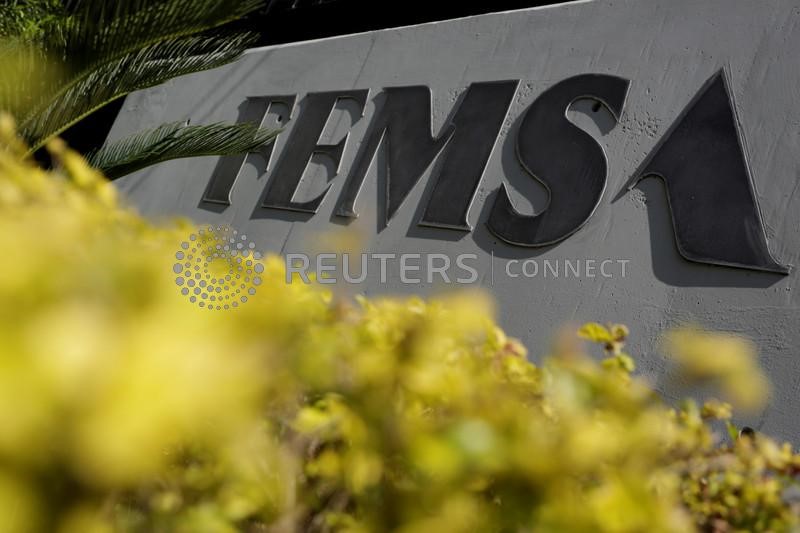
700 159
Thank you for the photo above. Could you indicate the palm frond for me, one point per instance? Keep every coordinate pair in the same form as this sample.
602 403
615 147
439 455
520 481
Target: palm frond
106 49
101 50
175 141
150 66
98 32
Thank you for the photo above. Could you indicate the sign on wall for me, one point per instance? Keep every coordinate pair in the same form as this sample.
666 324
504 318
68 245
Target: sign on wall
517 152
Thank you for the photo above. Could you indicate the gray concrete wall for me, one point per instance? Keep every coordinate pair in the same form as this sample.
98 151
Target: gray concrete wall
667 48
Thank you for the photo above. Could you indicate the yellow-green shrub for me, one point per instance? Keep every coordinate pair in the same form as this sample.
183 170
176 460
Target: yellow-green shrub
125 408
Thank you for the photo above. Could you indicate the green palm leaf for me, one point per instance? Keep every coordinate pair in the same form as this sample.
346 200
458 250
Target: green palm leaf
177 140
150 66
104 50
98 32
95 51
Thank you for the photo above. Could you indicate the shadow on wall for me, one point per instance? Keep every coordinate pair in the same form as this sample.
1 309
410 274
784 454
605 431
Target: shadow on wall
671 268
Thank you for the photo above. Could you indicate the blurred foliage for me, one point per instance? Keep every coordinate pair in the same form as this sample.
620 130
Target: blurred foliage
125 408
31 20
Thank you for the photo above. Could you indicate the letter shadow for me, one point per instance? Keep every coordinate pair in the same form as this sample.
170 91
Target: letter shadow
670 267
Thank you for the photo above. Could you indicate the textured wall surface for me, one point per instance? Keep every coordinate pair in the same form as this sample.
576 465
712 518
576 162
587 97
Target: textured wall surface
667 48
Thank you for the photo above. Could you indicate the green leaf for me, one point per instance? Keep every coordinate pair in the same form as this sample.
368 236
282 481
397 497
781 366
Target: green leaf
150 66
94 51
31 20
626 362
99 31
733 431
595 332
175 141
